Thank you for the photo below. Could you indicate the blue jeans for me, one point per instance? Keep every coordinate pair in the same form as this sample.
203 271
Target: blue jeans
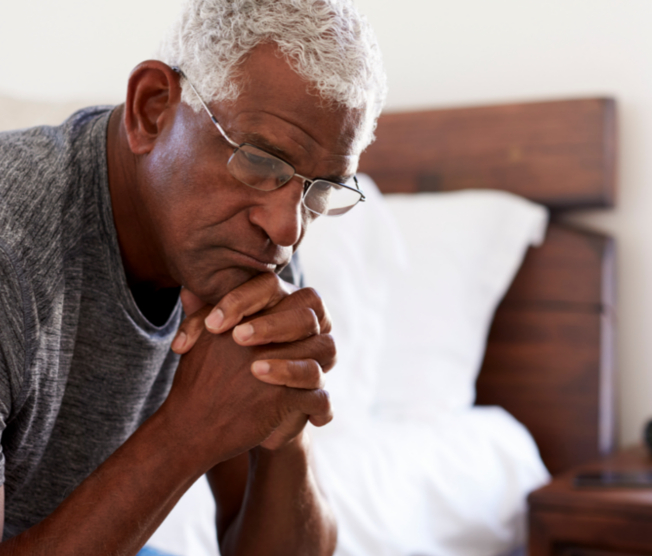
149 551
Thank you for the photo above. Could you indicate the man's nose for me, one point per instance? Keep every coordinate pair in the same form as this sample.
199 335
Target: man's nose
280 213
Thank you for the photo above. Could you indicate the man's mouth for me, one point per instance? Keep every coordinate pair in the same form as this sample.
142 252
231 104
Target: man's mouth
261 265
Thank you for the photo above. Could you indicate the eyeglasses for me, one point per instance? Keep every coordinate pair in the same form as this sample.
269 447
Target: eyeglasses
266 172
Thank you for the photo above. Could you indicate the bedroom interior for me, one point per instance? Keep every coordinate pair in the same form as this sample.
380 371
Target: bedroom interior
564 123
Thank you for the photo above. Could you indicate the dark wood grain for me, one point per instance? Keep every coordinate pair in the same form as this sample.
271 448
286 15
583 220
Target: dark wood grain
567 270
567 521
561 154
547 358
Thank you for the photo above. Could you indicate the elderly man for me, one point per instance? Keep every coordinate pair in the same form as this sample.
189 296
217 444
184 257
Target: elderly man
205 179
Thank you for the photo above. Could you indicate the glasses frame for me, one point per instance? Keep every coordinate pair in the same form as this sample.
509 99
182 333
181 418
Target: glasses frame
307 182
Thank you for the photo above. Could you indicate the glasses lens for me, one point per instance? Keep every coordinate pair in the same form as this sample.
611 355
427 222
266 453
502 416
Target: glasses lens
259 169
331 199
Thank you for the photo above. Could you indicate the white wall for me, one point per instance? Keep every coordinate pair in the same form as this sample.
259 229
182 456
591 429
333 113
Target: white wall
474 52
77 49
438 53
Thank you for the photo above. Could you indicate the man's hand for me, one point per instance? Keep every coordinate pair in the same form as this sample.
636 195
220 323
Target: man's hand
265 293
266 311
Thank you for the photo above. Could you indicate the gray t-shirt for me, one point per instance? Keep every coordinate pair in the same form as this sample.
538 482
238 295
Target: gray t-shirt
80 366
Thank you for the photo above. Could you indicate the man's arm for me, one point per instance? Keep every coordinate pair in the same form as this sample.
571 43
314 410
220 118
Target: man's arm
269 502
117 508
278 510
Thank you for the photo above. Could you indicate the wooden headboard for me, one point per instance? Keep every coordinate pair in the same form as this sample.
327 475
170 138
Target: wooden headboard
549 357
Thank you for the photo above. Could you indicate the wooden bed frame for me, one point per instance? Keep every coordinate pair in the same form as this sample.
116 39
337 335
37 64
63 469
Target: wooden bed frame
550 356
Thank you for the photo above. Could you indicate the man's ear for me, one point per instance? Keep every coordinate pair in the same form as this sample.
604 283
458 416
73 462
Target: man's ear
153 94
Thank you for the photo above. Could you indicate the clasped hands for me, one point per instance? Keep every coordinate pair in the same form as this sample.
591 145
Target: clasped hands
275 333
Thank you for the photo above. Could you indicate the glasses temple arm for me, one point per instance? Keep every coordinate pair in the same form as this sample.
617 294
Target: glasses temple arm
210 114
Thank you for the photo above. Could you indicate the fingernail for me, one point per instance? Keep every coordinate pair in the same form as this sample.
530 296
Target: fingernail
261 367
179 342
243 332
214 320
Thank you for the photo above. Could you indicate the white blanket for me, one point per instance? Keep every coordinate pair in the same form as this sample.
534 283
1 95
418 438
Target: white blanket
454 486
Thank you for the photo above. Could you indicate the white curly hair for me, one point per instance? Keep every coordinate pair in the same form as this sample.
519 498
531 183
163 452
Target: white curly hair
327 42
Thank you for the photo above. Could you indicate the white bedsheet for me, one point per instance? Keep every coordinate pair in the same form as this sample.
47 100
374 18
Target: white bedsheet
452 486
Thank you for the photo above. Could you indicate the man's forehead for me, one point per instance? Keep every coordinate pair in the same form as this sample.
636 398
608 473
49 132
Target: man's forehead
282 127
272 93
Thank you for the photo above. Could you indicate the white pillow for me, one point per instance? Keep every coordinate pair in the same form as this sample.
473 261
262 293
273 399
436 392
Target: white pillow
411 337
464 249
350 261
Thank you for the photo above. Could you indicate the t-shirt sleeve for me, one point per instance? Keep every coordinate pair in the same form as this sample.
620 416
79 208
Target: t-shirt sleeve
12 341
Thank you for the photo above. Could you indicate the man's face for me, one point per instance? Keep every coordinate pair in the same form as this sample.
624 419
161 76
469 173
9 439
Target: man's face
215 233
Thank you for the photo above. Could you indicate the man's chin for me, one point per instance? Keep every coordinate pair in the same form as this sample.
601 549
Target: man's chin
213 288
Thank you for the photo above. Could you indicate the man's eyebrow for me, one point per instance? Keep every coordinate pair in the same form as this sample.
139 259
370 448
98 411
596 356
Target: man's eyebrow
336 179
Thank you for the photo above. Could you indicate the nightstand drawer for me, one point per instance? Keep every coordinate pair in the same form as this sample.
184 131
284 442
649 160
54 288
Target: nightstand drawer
568 521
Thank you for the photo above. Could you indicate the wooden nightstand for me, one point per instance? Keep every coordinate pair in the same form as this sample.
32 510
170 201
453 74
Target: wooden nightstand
567 521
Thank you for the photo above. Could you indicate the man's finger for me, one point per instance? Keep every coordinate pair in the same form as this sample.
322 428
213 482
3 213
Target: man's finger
287 326
289 429
304 373
260 292
191 303
320 420
314 403
189 331
320 347
305 297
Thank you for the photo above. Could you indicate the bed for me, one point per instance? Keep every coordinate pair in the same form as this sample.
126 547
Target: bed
548 358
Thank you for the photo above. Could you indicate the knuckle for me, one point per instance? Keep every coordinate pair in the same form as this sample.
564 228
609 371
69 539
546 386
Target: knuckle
316 374
312 296
232 301
262 326
326 323
325 401
309 297
284 371
310 372
309 317
329 345
330 352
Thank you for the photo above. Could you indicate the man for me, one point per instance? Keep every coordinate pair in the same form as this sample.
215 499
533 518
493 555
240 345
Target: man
206 178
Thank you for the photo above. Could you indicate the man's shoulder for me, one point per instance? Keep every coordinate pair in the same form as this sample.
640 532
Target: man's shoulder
46 152
44 172
49 177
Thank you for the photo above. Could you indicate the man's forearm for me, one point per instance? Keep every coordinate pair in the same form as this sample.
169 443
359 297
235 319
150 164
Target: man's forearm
283 511
116 509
